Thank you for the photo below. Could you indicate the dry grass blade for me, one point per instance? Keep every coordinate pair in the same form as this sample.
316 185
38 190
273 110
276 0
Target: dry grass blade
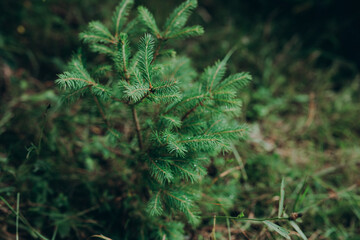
213 233
100 236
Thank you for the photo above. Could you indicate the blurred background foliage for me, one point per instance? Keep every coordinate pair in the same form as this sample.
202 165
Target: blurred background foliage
303 108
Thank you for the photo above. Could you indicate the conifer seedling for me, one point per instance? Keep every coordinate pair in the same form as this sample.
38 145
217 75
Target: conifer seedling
178 119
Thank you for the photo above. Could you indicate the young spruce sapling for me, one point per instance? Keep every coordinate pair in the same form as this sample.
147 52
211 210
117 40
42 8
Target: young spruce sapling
178 119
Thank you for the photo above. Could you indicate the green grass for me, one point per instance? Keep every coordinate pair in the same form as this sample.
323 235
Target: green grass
304 136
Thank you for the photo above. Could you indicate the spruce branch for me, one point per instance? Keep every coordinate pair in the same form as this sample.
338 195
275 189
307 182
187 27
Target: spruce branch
198 140
172 121
102 49
241 130
98 37
184 203
120 15
93 38
148 20
146 49
145 96
165 97
154 206
165 85
124 55
99 29
187 32
212 125
161 171
198 98
179 16
78 78
191 173
229 102
136 74
177 147
239 80
214 74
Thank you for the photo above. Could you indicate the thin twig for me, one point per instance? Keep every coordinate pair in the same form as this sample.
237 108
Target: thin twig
101 110
157 51
190 111
223 174
151 89
117 99
137 126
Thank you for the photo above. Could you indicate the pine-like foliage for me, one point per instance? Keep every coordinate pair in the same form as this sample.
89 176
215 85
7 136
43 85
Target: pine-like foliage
179 119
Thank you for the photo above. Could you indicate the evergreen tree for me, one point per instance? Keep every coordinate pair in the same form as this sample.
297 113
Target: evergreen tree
179 119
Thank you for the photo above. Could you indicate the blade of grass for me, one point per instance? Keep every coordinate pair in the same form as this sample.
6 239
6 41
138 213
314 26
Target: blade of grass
55 233
228 227
282 196
298 230
239 160
280 230
31 230
301 198
355 206
301 187
227 220
17 215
